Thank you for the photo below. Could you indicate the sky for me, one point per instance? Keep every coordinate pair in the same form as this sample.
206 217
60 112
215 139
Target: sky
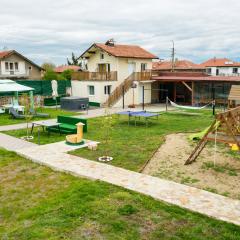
50 30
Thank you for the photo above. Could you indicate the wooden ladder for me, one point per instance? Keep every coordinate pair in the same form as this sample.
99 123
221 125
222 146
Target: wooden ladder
201 145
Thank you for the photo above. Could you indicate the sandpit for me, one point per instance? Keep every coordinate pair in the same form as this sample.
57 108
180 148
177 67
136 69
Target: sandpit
222 178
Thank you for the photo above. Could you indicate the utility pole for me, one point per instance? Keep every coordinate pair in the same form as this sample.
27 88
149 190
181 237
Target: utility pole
173 56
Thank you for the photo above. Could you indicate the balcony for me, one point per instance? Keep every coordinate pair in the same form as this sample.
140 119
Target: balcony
95 76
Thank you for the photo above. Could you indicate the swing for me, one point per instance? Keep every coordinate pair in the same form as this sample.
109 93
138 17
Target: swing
225 129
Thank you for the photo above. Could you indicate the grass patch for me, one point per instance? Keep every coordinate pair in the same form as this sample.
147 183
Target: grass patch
38 203
5 119
220 168
130 146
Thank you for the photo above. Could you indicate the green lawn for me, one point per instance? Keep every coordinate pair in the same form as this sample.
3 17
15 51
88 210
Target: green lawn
5 119
38 203
130 146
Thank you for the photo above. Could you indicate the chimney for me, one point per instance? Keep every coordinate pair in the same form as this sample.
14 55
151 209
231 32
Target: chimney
110 42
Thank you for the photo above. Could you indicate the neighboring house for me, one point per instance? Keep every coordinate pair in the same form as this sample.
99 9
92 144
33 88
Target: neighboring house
221 67
13 65
112 70
179 66
61 69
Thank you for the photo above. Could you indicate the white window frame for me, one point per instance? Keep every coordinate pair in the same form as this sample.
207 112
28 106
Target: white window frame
14 64
107 89
143 69
89 90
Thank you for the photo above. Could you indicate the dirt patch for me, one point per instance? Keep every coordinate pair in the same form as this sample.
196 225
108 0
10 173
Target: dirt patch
223 177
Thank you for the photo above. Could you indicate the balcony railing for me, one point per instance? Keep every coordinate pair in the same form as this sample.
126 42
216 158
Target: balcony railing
95 76
142 76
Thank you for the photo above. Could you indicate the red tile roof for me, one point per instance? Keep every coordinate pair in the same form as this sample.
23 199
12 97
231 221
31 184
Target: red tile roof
126 51
209 78
130 51
179 64
61 69
5 53
220 62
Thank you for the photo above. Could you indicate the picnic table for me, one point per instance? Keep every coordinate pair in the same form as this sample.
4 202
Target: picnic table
138 115
44 124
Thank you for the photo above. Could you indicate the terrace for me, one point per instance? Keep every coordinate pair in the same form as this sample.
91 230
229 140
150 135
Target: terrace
109 76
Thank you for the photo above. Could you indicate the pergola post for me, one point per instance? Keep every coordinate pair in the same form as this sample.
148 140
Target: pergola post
16 96
31 99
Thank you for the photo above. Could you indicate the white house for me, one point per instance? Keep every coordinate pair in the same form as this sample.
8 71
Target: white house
113 71
222 67
13 65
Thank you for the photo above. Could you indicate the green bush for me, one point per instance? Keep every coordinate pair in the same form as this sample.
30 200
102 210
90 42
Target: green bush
50 75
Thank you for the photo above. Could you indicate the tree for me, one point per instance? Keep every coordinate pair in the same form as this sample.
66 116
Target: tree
48 66
74 60
50 75
67 74
107 127
27 113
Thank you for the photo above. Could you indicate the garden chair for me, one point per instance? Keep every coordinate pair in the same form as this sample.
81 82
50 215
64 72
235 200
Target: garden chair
36 114
15 114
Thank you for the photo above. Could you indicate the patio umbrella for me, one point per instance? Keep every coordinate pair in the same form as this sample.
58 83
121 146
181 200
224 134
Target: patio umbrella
54 88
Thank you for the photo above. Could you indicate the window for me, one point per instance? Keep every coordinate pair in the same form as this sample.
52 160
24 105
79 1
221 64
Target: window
143 67
102 56
209 71
217 71
11 66
235 70
30 68
6 66
16 66
107 89
91 90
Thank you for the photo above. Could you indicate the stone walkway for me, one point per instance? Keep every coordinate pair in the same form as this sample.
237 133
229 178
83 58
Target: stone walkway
194 199
13 144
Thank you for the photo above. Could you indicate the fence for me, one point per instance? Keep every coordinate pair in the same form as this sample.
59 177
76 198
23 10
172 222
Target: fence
43 87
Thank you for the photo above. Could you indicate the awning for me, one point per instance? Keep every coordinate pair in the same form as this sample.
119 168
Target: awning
12 86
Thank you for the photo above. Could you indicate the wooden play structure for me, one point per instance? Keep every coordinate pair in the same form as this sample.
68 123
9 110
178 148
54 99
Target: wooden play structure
76 138
234 96
225 128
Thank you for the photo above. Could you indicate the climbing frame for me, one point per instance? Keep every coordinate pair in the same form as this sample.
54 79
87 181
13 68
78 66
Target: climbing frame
225 128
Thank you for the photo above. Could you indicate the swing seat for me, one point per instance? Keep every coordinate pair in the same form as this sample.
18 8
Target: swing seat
235 147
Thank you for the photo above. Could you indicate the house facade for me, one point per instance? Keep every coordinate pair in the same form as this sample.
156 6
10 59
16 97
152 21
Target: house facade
112 70
13 65
221 67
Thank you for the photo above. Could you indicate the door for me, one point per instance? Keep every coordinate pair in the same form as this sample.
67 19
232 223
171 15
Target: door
102 68
131 68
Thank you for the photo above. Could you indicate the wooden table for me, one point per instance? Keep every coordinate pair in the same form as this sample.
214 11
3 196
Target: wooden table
44 124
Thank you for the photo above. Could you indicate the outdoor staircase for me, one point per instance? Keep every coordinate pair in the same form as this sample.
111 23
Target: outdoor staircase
116 95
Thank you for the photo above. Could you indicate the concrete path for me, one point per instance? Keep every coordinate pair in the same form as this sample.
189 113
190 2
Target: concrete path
13 144
194 199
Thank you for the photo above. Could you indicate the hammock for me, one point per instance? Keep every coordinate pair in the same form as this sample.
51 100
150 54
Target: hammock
188 107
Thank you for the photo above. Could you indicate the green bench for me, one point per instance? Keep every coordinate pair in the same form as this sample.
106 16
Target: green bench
68 125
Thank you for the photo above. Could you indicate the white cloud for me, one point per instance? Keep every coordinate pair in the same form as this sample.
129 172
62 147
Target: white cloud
51 30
